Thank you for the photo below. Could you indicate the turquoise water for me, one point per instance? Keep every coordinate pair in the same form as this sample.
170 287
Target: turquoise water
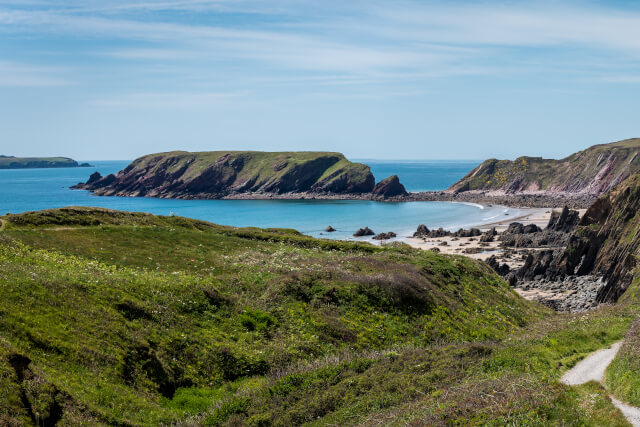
34 189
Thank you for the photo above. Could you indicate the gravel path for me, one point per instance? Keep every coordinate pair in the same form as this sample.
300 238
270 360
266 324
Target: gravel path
592 368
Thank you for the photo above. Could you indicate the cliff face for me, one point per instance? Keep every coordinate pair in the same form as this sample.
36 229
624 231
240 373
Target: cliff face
10 162
593 171
606 245
220 173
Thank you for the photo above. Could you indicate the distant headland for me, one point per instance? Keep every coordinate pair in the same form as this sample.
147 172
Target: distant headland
12 162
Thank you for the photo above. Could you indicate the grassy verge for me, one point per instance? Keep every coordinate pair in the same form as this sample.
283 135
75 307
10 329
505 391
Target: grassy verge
623 375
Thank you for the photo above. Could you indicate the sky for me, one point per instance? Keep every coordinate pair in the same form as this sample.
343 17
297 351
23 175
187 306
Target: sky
412 80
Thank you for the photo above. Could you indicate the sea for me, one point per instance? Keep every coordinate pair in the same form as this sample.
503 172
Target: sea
24 190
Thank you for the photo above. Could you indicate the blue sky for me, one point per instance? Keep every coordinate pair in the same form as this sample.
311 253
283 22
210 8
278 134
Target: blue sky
117 79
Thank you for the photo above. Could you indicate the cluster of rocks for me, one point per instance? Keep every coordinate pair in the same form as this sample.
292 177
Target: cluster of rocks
366 231
573 294
384 236
556 234
424 232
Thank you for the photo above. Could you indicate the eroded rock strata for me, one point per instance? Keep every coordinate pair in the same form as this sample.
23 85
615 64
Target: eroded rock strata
604 245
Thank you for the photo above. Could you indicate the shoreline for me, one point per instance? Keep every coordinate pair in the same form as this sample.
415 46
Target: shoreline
515 200
471 246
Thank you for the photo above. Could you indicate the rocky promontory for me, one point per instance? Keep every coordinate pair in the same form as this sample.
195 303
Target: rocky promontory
590 172
243 174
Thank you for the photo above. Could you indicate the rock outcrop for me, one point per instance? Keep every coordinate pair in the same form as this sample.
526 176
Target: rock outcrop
366 231
422 231
593 171
208 175
389 187
604 246
384 236
564 221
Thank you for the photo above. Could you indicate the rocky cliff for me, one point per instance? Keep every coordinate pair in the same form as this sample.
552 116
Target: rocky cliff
593 171
604 246
218 174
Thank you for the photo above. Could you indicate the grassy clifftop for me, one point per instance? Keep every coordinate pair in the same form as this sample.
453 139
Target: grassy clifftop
592 171
10 162
219 173
132 319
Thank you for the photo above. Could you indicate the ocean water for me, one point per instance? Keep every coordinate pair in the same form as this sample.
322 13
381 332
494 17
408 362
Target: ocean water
34 189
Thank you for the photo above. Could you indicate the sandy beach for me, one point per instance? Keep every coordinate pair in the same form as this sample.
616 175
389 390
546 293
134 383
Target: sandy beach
472 247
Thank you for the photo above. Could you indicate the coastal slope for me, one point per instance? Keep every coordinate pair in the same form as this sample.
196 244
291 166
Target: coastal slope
593 171
117 318
216 174
11 162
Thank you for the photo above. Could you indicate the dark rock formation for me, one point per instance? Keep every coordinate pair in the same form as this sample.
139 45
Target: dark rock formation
95 177
422 231
604 245
330 229
384 236
564 221
364 232
488 236
501 269
389 187
517 228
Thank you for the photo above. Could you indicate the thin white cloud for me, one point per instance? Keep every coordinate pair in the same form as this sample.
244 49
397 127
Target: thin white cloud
374 42
22 75
164 100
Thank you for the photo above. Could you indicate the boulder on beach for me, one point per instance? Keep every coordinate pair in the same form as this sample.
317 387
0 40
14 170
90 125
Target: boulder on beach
364 232
422 231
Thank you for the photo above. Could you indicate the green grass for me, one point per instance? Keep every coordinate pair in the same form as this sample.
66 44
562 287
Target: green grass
623 375
135 319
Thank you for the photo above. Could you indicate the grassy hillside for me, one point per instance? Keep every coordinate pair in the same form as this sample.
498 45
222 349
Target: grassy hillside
134 319
218 173
592 171
8 162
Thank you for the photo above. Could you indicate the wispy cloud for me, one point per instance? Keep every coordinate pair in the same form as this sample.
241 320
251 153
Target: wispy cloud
163 100
350 43
22 75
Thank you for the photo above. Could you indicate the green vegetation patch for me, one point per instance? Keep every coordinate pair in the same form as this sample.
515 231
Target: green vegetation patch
623 375
143 320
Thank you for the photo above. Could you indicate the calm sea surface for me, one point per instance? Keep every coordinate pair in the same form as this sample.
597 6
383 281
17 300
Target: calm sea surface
34 189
